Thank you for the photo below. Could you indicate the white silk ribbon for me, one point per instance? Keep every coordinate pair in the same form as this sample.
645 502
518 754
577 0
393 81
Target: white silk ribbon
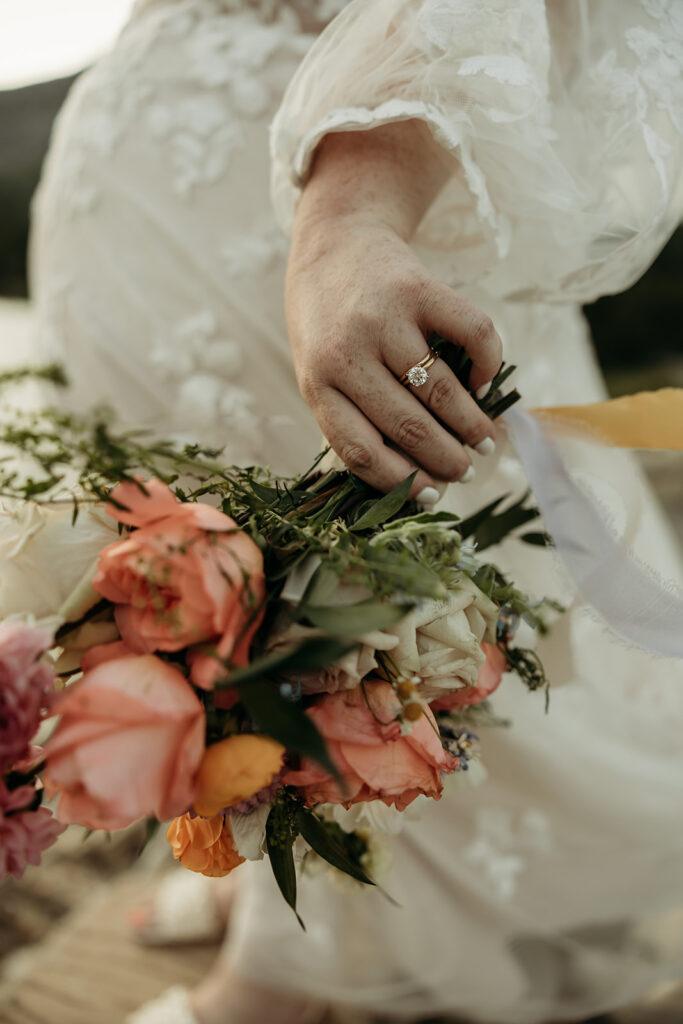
631 601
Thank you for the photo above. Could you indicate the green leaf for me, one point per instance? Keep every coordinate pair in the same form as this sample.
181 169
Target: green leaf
318 652
488 527
386 507
326 846
281 858
352 619
494 529
286 721
269 495
468 526
500 405
538 537
430 517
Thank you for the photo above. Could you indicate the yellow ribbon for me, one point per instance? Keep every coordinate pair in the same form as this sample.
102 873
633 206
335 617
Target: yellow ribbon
648 419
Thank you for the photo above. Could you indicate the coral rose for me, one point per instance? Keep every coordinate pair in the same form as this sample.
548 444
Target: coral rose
128 744
187 575
26 686
375 760
24 833
234 769
204 844
490 675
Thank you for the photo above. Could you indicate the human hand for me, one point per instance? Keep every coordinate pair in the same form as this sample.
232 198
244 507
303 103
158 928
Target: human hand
359 308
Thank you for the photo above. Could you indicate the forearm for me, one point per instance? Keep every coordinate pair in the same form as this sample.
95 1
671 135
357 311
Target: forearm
388 176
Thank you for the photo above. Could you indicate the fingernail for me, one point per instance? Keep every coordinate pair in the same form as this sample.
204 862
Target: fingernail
483 391
486 447
427 496
467 476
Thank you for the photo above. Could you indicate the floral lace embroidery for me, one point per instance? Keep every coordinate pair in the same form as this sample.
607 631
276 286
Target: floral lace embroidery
503 847
199 362
200 139
253 253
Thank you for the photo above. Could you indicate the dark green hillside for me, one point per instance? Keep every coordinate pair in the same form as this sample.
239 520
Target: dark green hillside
26 117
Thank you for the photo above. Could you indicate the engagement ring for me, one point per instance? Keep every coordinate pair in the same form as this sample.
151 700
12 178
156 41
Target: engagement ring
417 375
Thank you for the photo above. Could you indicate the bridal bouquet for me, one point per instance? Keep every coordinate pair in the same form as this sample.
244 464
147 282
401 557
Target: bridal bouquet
269 664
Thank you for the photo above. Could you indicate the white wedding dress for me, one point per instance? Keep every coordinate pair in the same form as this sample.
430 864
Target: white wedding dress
555 890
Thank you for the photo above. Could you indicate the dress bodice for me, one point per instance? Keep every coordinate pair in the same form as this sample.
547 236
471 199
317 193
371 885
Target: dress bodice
313 14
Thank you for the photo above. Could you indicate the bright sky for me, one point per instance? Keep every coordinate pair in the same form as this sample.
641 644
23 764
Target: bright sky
42 39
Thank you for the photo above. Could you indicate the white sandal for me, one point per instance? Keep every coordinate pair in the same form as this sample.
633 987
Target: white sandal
183 910
171 1007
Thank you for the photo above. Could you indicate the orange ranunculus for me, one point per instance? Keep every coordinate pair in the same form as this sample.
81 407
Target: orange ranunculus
187 575
234 769
129 742
376 761
204 844
490 675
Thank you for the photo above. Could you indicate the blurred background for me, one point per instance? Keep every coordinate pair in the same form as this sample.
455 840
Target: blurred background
44 44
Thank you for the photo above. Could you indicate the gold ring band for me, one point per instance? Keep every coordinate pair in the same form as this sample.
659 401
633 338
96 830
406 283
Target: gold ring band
417 375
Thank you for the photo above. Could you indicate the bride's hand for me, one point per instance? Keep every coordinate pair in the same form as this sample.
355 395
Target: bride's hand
360 306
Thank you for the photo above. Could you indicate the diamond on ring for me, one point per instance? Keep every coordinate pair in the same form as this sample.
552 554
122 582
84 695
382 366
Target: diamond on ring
417 376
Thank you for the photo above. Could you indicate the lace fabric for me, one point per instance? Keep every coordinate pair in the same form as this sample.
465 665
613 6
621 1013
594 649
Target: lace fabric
564 118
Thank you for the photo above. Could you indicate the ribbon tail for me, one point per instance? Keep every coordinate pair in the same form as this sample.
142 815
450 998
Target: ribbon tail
630 601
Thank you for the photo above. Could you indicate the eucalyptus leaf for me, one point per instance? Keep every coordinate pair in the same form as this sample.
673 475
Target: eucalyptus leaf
497 527
286 721
352 619
319 839
386 507
469 525
318 652
430 517
269 495
281 858
538 537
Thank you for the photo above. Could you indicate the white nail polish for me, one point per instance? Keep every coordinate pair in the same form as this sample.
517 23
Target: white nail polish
483 391
427 496
467 476
486 447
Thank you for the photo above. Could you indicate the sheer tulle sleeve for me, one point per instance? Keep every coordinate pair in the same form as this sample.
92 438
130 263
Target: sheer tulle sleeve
563 120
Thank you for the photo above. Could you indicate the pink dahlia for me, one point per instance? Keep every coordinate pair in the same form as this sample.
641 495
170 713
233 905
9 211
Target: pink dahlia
24 833
26 685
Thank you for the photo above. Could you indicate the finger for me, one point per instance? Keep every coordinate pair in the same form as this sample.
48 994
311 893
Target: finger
361 448
460 322
405 421
442 394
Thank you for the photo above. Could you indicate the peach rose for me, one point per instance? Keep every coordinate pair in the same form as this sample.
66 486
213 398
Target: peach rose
374 759
204 844
234 769
128 744
488 680
187 575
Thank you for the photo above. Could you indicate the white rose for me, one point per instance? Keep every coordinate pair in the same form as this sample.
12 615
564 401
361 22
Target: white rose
44 559
80 640
439 641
